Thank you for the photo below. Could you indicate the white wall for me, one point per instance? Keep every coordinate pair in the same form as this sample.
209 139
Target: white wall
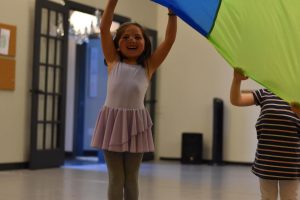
188 80
15 105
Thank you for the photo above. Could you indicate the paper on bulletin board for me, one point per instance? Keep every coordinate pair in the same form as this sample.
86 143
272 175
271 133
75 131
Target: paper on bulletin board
4 41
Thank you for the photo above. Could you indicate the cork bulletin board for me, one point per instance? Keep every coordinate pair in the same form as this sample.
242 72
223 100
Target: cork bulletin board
7 74
7 56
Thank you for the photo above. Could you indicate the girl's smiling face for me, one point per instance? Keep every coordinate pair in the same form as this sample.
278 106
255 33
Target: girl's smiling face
131 44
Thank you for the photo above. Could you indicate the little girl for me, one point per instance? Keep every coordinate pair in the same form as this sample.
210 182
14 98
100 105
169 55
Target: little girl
123 128
278 132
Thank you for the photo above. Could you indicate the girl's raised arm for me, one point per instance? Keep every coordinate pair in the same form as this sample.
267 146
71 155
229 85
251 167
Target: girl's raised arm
164 48
237 97
109 50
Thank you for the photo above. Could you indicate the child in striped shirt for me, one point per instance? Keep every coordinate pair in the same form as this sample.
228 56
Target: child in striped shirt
277 160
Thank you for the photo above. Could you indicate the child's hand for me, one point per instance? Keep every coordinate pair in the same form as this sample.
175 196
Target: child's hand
295 107
171 13
239 74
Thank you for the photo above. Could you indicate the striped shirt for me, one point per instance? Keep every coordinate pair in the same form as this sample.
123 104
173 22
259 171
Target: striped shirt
278 133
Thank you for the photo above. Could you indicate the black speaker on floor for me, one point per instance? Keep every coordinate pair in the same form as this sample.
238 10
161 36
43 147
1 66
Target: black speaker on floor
217 157
191 148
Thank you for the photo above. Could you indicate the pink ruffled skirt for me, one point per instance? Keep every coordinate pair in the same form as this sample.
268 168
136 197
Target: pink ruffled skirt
123 130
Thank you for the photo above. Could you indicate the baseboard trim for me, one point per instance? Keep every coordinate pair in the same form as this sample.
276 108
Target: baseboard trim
69 155
14 166
90 153
237 163
209 162
169 159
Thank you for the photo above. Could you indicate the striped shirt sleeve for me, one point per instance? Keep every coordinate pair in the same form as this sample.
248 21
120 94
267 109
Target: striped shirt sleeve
258 96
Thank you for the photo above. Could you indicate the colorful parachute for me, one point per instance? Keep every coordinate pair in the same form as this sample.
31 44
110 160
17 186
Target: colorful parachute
260 37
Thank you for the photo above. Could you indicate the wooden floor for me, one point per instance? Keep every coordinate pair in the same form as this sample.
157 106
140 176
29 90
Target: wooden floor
158 181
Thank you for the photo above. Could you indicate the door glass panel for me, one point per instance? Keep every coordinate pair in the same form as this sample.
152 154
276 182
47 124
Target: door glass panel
42 75
44 21
55 144
58 53
53 24
58 74
56 107
48 136
40 137
41 104
49 107
50 79
51 51
43 47
60 26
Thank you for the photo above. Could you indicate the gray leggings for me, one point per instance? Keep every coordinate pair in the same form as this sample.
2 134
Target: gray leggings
123 174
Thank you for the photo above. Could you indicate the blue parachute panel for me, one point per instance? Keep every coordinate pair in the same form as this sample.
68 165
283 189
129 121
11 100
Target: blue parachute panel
188 10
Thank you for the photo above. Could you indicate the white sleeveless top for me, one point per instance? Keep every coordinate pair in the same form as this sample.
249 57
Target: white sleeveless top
124 125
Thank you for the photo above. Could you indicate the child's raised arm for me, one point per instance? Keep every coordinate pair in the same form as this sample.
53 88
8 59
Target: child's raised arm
109 50
164 48
237 97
